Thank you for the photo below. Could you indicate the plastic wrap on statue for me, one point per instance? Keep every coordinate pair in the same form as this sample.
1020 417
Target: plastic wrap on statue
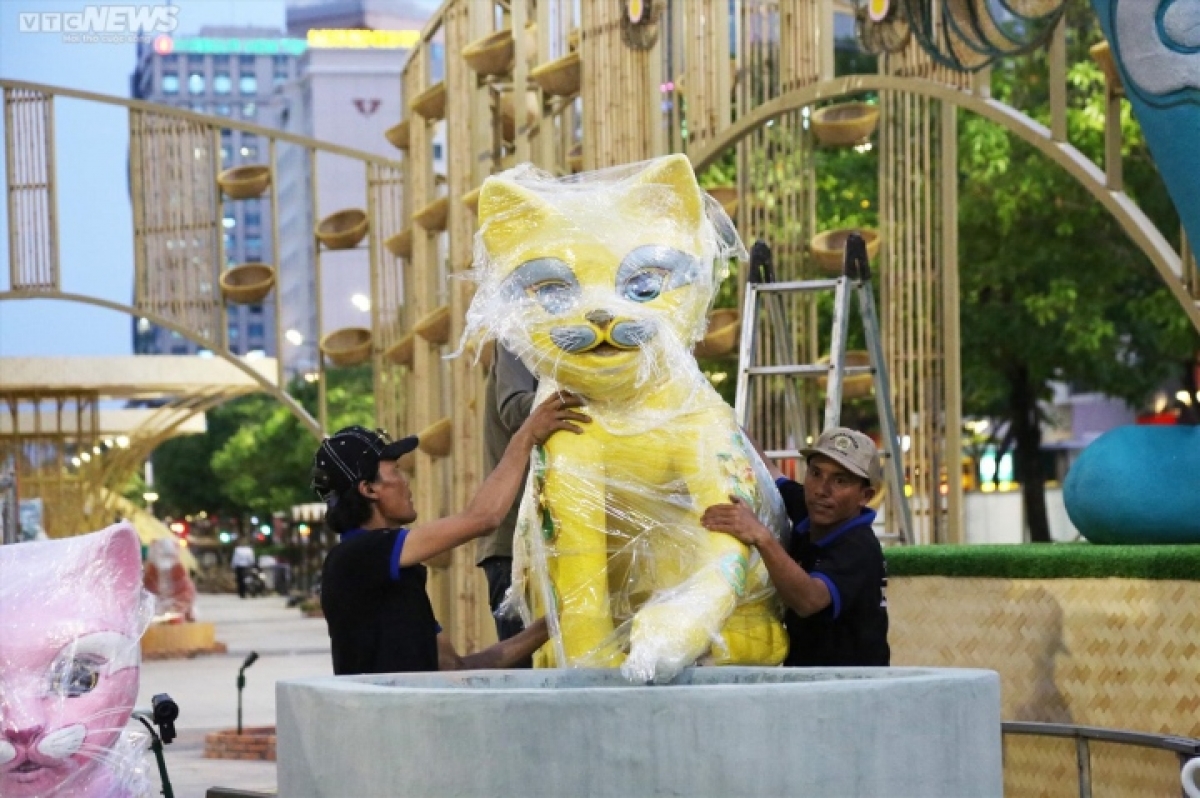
71 614
601 283
165 577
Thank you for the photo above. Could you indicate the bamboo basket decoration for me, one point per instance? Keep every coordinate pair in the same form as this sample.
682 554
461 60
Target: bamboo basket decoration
348 346
494 54
435 440
844 124
471 199
400 244
560 77
856 386
248 283
434 327
1101 53
433 216
828 249
431 103
401 352
397 135
575 157
344 229
887 35
724 329
508 117
245 182
727 196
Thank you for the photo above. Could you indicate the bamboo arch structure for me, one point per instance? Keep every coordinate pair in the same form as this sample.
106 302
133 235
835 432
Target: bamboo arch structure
176 161
603 89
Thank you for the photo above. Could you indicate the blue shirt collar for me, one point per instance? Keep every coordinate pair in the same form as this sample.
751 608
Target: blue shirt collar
351 534
865 517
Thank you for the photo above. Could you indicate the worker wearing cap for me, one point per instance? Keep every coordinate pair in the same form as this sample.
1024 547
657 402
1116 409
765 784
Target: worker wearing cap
373 584
832 576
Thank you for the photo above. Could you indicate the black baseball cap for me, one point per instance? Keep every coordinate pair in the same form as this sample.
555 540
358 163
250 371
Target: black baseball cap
351 455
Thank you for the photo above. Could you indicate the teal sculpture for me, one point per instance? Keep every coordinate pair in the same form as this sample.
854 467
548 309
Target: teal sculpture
1156 45
1137 485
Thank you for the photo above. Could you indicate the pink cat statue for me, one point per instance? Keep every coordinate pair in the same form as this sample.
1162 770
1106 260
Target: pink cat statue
71 614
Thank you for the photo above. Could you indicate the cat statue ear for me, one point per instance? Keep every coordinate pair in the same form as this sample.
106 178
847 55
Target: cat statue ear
510 214
120 550
676 195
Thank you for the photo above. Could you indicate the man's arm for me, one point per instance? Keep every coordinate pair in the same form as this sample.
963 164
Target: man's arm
802 594
487 509
515 389
504 654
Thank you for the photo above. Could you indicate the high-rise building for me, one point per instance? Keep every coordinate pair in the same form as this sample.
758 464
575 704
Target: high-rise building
348 92
235 73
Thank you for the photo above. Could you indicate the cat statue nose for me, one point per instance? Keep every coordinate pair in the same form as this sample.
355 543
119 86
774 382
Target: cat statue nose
24 737
601 318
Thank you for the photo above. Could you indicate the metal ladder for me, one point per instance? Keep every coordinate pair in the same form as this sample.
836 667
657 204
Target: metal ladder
761 287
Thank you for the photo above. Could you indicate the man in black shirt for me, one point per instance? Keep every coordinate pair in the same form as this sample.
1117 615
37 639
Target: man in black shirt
832 579
373 584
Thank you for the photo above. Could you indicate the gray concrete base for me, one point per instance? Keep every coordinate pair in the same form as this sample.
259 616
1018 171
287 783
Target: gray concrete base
896 732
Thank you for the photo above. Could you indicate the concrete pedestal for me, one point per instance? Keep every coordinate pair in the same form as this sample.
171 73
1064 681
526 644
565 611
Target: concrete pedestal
897 732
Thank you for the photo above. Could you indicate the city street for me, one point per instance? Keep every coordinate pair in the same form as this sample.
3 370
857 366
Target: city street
289 646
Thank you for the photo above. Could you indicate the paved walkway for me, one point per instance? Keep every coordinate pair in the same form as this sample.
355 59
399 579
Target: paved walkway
289 646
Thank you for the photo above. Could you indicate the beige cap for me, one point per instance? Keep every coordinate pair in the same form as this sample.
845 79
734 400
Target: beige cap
851 449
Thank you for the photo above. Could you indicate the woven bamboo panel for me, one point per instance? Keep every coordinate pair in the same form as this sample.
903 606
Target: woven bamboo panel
1115 653
911 214
706 76
470 617
177 230
386 187
63 425
779 204
1122 770
1044 767
1039 767
424 286
799 43
618 123
32 216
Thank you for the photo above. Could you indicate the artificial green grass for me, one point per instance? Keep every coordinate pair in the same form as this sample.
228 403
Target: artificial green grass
1047 561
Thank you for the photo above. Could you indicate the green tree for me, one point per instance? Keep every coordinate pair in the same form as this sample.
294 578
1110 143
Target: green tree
1053 290
255 457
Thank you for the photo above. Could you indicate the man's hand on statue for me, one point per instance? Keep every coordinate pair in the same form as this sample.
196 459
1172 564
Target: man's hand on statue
556 413
735 519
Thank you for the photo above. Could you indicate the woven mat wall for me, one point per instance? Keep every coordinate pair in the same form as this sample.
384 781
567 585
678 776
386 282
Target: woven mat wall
1117 653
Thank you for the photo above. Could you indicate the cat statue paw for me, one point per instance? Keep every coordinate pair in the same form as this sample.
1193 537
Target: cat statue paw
72 613
601 283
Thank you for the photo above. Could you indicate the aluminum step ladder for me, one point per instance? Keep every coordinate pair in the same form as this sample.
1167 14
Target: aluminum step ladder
762 291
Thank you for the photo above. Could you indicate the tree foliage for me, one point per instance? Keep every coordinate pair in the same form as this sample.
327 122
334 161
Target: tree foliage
1053 289
255 457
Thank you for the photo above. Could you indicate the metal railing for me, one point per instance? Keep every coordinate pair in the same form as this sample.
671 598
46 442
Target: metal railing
1183 747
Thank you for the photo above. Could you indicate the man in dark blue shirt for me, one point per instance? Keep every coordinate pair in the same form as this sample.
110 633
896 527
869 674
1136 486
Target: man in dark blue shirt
373 584
832 579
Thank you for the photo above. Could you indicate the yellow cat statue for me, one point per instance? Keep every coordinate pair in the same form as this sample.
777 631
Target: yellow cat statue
601 283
